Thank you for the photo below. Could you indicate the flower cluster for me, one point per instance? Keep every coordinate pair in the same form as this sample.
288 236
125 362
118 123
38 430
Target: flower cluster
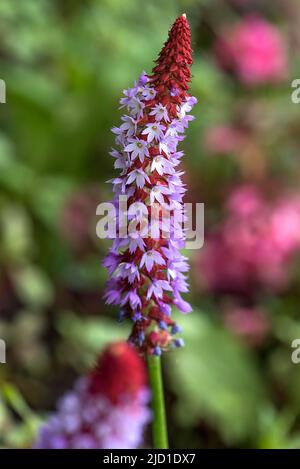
148 273
106 409
254 50
254 245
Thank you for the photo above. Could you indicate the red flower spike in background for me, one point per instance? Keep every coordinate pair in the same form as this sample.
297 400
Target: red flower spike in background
107 408
119 371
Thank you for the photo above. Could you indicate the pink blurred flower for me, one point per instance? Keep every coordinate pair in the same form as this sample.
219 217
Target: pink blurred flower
285 224
254 245
245 201
223 139
250 324
254 50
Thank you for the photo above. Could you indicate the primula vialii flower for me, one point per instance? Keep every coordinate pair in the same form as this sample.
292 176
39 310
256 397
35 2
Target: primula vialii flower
147 272
106 409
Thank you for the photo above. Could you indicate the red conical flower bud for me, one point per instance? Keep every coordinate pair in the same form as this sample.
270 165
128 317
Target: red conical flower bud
172 73
119 371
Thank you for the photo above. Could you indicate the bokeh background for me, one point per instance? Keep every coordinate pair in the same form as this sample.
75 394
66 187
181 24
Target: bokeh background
65 65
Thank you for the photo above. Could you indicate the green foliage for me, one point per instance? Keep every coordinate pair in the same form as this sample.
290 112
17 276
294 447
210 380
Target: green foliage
86 338
216 378
22 434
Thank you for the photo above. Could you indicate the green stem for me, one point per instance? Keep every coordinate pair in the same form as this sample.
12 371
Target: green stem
159 426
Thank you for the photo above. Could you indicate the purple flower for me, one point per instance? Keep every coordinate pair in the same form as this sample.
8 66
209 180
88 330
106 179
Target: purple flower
148 94
129 125
137 148
150 258
160 112
138 176
158 192
136 107
182 305
157 288
132 298
154 132
161 165
143 79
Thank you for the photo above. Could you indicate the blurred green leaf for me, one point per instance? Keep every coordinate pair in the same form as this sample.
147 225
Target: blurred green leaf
22 434
33 286
15 399
215 378
88 336
275 430
16 243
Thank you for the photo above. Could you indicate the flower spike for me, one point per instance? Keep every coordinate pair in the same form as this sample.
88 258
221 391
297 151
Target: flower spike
147 271
106 409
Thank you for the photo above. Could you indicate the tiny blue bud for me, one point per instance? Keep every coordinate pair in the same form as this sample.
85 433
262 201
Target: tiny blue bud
157 351
121 316
176 329
179 343
137 317
141 338
166 309
163 325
